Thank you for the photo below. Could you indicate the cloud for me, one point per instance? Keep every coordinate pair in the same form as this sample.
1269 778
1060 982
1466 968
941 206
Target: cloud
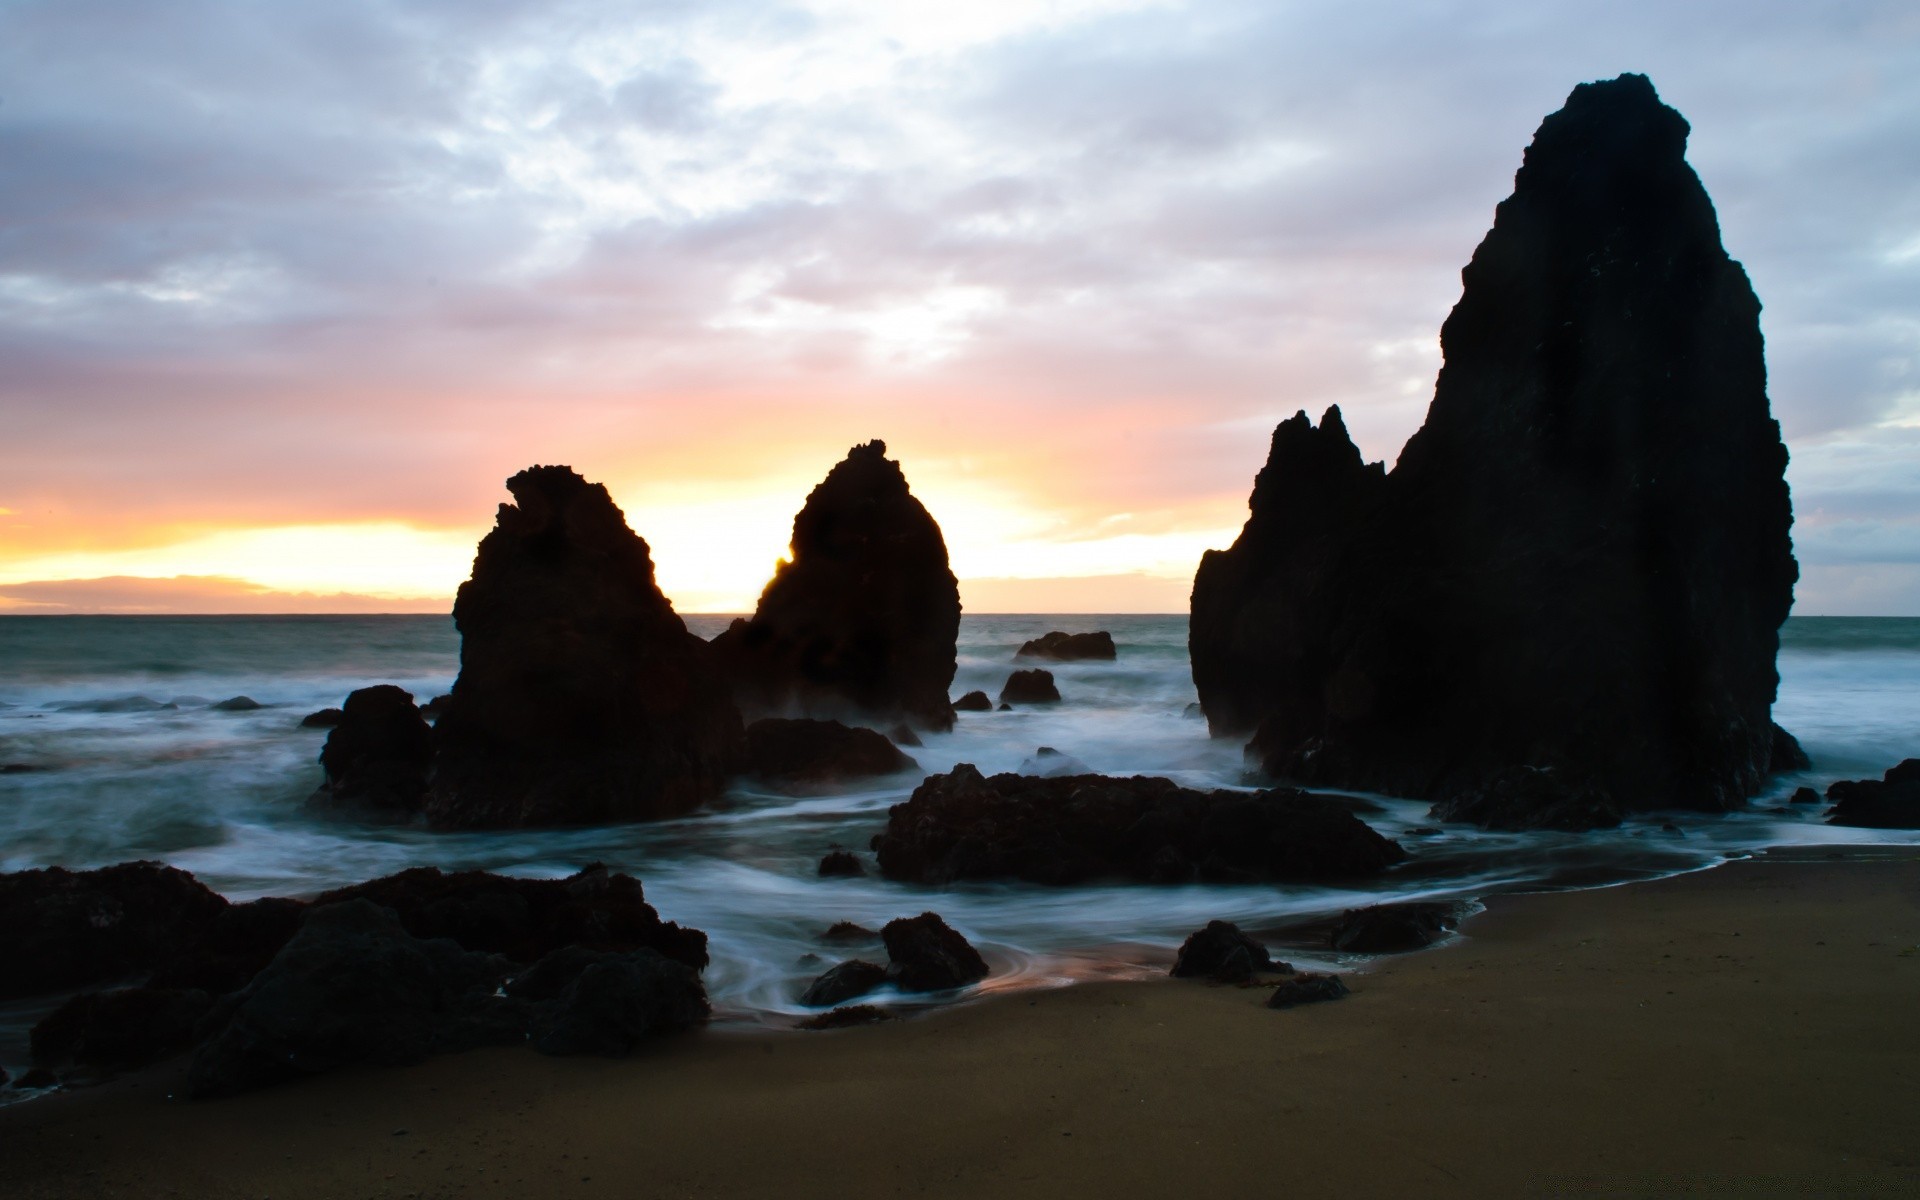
124 594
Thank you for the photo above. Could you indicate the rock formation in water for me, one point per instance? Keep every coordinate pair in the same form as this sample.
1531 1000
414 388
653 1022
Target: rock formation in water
1070 647
863 621
581 696
801 754
1890 802
1579 566
379 755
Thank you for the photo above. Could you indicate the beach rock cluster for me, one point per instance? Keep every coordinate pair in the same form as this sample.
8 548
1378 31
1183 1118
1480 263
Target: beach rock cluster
924 954
1890 802
389 970
1070 647
863 620
1077 828
1580 563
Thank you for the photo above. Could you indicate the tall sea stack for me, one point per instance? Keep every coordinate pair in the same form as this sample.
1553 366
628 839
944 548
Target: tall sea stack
864 619
582 697
1565 598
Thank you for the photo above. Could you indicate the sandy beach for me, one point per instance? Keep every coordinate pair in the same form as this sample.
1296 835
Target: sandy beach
1743 1030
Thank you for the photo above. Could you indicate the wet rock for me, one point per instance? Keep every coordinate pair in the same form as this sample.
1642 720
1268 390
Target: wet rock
1528 798
1004 708
803 754
1194 711
1891 802
1077 828
925 954
847 931
1069 647
842 1018
1785 753
1048 762
903 735
1391 928
116 704
616 1002
103 1033
840 864
353 987
378 757
232 948
326 718
1307 989
1579 564
1222 952
1804 795
582 698
855 977
973 702
864 619
1030 687
62 930
237 704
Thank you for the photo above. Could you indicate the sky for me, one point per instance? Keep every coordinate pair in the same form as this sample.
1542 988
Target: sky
288 289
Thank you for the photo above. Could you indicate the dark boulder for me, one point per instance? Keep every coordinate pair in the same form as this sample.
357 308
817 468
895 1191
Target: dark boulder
863 621
1307 989
61 930
616 1001
378 757
973 702
1890 802
1033 686
353 987
925 954
1804 795
847 931
582 697
1391 928
432 709
1581 561
843 1018
1224 953
101 1033
1069 647
1785 754
236 704
1073 829
804 754
1528 798
840 864
855 977
232 948
325 718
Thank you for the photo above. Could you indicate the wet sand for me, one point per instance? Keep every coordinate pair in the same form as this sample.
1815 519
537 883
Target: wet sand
1750 1029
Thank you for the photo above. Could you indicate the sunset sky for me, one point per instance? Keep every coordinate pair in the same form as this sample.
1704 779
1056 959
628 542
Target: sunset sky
288 289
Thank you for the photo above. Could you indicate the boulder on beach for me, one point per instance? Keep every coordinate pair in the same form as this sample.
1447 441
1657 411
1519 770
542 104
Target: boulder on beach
1033 686
615 1001
1391 928
863 620
925 954
101 1033
1221 951
1078 828
803 754
855 977
63 930
1890 802
582 697
1307 989
840 864
975 701
1069 647
379 755
1578 566
1529 798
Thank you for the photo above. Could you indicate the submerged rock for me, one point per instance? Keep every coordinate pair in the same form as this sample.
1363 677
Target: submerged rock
581 697
237 704
1391 928
1069 647
842 1018
864 619
1030 687
325 718
1222 952
378 756
975 701
840 864
1079 828
1579 564
855 977
804 754
1890 802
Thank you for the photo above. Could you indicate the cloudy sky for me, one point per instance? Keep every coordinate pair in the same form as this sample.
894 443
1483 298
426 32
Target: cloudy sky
288 287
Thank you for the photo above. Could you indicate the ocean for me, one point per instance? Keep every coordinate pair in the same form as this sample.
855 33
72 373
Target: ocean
133 761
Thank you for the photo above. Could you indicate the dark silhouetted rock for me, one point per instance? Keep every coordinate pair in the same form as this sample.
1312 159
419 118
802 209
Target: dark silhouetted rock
237 704
1805 795
1307 989
1221 951
1391 928
863 621
925 954
855 977
432 709
1579 564
582 697
903 735
617 1001
377 758
1030 687
1069 647
1077 828
1891 802
36 1079
842 1018
840 864
1525 798
326 718
804 754
230 949
102 1033
847 931
973 702
1785 753
61 930
1047 761
20 768
353 987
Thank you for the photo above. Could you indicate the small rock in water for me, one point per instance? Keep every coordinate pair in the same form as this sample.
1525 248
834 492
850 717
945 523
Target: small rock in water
1048 762
1223 952
847 931
803 753
326 718
1030 687
1068 647
1307 989
841 1018
928 955
840 864
1004 707
973 702
1891 802
1194 711
903 735
19 769
237 704
855 977
1805 795
1391 928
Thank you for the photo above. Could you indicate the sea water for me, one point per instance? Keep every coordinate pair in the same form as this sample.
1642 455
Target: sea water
132 761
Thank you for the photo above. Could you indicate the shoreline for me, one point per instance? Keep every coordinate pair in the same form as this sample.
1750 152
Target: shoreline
1743 1027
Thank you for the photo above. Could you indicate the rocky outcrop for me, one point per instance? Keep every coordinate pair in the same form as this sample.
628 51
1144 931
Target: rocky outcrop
1033 686
61 930
974 701
378 756
101 1033
1580 563
1222 952
801 754
1890 802
863 620
1069 647
581 696
1077 828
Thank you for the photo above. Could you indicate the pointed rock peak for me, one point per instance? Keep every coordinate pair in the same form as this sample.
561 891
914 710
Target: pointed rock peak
1304 458
556 500
865 469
